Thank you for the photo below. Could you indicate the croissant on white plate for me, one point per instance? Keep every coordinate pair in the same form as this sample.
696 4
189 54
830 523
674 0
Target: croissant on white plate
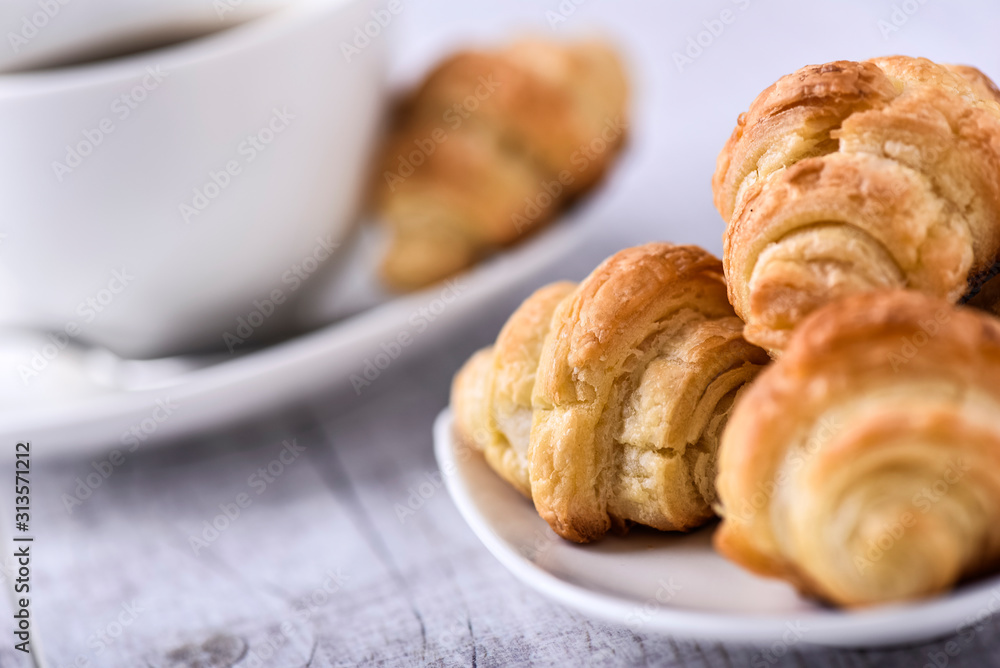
604 401
492 145
864 465
854 176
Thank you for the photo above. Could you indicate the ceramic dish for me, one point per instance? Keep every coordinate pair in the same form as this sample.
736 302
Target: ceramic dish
676 584
91 400
150 198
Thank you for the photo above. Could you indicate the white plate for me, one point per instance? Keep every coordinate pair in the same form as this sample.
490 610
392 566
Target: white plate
93 401
677 584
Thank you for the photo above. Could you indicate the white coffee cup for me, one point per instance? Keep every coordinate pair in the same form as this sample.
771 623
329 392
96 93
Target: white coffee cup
46 33
152 201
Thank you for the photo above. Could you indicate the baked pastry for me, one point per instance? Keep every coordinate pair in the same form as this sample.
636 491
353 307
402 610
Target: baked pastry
854 176
605 401
864 465
492 393
490 146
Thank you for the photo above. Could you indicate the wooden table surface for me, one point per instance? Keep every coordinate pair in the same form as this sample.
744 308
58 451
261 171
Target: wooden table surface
314 567
319 569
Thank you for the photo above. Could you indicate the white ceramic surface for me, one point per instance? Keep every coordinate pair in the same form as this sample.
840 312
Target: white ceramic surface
88 401
44 32
149 199
677 584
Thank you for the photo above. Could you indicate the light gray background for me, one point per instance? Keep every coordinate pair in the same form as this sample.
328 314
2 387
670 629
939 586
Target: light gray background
682 118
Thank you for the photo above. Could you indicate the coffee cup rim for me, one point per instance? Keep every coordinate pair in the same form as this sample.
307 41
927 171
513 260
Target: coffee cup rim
190 52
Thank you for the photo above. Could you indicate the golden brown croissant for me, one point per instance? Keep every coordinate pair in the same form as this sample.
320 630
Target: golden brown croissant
854 176
491 146
864 465
604 402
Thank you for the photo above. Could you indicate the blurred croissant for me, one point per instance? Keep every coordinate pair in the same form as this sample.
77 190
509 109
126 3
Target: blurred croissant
604 402
853 176
864 465
492 145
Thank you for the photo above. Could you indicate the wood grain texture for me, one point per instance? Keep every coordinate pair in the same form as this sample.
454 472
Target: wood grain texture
322 551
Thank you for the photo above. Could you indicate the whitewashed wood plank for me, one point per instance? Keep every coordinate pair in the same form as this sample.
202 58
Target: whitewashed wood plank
131 541
421 591
384 473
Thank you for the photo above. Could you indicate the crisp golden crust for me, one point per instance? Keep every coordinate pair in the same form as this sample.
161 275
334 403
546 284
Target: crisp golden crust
826 463
469 398
491 393
812 101
626 381
490 146
897 236
899 156
983 85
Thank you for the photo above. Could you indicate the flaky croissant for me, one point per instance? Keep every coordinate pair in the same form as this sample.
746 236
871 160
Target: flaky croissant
490 146
854 176
604 401
864 465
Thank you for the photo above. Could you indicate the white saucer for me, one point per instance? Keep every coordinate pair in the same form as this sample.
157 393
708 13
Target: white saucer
90 400
676 584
